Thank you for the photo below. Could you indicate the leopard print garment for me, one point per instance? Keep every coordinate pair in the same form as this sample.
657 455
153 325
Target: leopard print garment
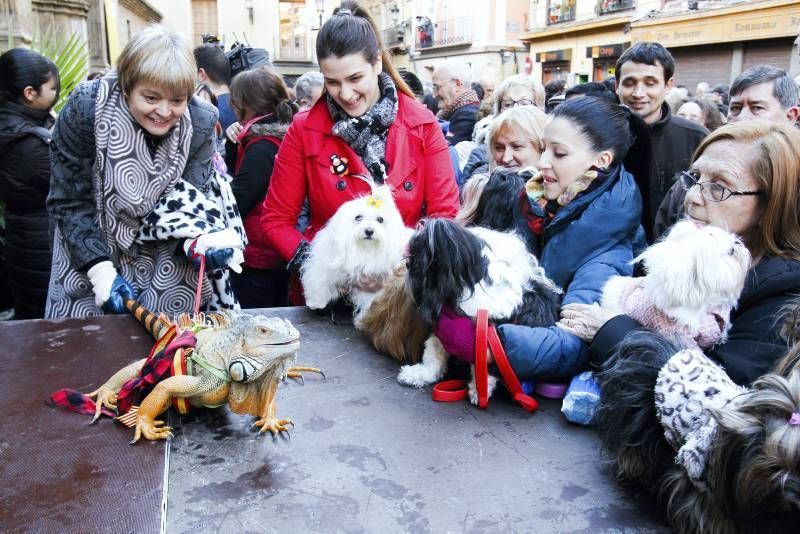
689 386
185 212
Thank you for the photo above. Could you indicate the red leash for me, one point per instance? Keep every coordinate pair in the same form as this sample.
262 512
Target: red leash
485 337
510 379
198 294
481 359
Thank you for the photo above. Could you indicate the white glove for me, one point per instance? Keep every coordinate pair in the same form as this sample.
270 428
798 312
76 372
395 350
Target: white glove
220 240
227 238
102 276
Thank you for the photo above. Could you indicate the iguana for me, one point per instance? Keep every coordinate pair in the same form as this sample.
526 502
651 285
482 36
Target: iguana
237 359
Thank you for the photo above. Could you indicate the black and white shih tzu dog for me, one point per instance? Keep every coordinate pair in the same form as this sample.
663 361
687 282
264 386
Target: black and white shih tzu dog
469 269
720 458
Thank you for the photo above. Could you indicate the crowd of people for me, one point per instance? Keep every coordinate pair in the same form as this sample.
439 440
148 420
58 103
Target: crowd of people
97 207
167 163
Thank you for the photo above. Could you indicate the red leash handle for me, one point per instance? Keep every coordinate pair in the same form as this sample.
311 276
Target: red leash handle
450 391
481 360
198 294
509 378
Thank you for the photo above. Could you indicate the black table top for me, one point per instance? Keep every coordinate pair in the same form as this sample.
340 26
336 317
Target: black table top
366 454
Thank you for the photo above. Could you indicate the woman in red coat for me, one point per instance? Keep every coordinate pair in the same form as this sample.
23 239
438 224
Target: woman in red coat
366 126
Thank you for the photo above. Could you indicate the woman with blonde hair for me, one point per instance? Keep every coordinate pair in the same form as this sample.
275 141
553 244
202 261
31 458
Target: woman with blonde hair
515 92
134 198
515 137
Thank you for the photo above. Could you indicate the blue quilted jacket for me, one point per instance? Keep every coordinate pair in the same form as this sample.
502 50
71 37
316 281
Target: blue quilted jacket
589 240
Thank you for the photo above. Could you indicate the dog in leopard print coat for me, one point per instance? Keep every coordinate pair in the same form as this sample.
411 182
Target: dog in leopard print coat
720 458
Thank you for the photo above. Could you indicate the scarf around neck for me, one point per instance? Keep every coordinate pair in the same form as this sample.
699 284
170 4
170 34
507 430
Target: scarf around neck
129 178
366 134
540 211
467 97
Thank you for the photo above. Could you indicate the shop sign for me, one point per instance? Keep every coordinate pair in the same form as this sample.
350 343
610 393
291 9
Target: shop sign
746 26
555 55
604 51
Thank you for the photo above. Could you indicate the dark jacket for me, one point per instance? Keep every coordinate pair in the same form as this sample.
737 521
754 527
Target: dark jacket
670 210
252 173
477 162
589 240
674 140
462 122
24 183
754 342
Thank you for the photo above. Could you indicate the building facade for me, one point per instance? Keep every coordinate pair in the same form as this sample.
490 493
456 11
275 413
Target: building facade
287 29
103 26
712 41
484 33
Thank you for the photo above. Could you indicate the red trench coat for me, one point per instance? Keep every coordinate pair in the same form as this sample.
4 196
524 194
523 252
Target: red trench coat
420 172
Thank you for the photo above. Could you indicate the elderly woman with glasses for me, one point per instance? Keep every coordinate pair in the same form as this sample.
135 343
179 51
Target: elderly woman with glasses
743 179
514 91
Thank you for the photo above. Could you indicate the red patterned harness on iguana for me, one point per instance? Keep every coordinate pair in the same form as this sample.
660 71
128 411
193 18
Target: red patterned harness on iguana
167 358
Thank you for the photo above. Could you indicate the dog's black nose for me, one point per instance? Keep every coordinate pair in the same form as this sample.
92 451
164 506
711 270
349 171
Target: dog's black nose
368 232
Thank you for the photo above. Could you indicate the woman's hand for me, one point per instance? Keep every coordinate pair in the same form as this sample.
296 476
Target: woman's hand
110 289
584 320
233 132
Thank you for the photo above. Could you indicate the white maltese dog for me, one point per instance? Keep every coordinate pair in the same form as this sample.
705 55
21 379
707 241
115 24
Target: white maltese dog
355 252
694 278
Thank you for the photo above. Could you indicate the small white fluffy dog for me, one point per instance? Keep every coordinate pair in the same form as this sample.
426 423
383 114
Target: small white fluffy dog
694 279
355 252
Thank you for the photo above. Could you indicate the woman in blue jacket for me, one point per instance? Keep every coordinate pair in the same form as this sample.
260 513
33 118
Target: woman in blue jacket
582 215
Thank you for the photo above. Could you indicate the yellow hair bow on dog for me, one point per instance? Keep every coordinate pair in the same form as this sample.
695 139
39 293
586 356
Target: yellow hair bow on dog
374 202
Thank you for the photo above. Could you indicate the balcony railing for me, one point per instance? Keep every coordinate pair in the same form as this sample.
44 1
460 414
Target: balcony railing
293 49
561 11
604 7
444 32
394 36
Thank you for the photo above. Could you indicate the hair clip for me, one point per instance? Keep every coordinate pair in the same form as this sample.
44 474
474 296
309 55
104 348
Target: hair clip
344 12
794 420
374 202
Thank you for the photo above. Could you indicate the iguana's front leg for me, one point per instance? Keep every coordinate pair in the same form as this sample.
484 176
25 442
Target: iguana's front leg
157 401
297 372
268 421
106 395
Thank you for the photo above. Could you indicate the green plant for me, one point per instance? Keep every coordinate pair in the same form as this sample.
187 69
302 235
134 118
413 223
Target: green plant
70 58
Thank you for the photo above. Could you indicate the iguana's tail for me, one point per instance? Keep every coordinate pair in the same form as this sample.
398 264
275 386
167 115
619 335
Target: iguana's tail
155 324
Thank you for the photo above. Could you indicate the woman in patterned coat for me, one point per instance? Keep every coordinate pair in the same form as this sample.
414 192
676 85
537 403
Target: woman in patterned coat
133 193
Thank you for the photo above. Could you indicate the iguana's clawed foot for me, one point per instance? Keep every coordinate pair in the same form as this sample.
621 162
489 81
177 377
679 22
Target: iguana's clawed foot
104 397
151 429
273 424
296 372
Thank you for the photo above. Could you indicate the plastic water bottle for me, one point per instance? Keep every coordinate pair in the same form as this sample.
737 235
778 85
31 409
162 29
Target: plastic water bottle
582 399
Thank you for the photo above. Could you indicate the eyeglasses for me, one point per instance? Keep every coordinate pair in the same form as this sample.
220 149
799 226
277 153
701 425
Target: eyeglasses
508 104
710 190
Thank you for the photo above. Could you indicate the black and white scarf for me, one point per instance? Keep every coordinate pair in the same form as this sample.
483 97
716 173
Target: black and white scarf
366 134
